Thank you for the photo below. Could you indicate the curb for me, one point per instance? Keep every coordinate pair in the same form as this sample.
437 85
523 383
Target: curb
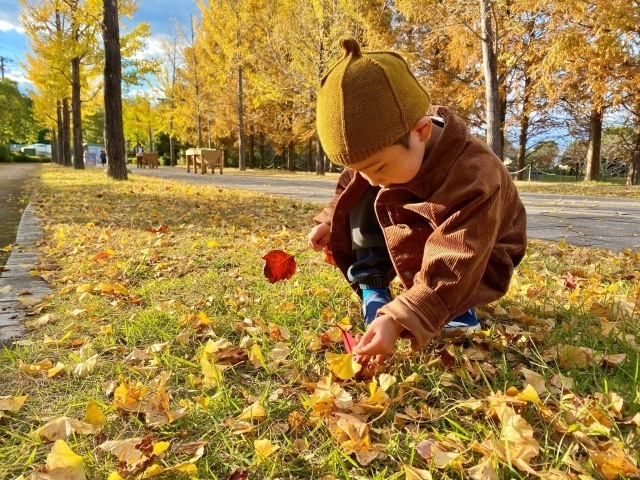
23 259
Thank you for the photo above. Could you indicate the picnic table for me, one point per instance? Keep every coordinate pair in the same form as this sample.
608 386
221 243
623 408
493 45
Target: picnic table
204 158
145 159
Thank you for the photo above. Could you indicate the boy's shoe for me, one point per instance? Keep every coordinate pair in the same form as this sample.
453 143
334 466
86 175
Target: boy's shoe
372 301
467 322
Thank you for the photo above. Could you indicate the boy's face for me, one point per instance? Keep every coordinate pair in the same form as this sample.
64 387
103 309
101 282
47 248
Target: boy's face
395 164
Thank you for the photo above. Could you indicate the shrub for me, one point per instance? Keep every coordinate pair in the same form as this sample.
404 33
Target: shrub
5 154
24 158
164 161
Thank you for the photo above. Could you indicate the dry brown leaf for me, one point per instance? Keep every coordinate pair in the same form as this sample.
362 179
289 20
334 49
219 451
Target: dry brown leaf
12 404
611 461
124 450
534 379
483 470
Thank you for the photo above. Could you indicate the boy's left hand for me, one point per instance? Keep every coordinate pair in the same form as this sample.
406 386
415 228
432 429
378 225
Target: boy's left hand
379 339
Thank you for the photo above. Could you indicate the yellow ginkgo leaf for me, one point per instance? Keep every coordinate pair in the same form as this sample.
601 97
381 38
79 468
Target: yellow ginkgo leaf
385 380
264 448
12 404
529 394
120 289
413 473
94 415
212 375
153 470
343 365
160 447
254 411
256 357
63 463
114 476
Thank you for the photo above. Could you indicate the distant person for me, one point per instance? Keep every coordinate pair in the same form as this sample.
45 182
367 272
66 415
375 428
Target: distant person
103 157
139 151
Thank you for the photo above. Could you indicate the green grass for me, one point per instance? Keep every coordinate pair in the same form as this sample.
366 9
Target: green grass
209 260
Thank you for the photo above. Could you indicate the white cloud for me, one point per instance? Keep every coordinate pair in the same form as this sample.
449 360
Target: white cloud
153 49
17 76
8 26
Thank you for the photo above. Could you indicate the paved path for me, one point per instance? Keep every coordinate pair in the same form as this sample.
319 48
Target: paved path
610 223
18 289
12 178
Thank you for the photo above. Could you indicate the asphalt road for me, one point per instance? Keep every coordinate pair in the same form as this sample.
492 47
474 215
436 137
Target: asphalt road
600 222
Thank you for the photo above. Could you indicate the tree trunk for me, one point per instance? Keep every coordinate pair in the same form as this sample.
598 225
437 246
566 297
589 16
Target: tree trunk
261 151
171 146
252 146
60 143
291 162
76 113
309 155
113 128
503 121
524 126
54 146
490 66
66 120
241 160
593 150
319 156
634 169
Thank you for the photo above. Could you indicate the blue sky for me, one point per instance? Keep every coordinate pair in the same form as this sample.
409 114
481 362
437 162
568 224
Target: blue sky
159 13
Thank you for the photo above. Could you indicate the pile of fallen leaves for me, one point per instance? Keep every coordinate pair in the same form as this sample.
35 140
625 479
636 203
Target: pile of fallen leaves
192 335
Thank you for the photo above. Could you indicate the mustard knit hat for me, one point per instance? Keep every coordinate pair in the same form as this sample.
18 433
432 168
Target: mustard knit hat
367 102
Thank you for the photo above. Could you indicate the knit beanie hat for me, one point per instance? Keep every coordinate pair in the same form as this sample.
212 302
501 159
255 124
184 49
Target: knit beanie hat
367 102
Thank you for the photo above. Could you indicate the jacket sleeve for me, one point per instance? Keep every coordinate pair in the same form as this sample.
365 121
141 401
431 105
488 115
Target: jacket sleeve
454 261
327 214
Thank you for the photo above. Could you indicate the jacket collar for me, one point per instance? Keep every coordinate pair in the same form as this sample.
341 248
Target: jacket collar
445 152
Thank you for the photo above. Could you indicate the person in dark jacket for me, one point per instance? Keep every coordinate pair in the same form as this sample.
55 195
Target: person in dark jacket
420 198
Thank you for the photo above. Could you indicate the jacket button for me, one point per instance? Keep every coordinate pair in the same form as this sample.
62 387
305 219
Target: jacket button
408 274
387 221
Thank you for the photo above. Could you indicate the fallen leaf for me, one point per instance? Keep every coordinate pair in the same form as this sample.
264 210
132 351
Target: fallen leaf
278 266
254 411
12 404
611 461
94 415
413 473
64 464
534 379
124 450
264 448
61 428
483 470
343 365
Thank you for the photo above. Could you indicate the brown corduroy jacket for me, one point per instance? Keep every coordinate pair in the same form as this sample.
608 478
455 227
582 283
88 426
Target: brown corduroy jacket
454 232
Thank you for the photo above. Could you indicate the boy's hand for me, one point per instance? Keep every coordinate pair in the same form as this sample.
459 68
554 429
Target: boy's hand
319 236
379 339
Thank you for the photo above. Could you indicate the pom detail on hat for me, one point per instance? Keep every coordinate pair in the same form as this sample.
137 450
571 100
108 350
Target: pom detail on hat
350 46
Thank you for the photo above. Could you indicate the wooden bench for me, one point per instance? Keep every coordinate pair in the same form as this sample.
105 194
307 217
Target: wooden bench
204 158
145 159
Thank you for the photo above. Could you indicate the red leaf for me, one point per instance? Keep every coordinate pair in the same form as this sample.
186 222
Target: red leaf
99 256
278 265
329 256
570 282
161 228
348 341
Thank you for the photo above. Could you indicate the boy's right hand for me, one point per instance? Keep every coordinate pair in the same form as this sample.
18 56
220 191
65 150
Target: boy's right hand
319 236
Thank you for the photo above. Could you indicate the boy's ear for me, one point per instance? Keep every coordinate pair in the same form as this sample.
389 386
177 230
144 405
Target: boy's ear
423 127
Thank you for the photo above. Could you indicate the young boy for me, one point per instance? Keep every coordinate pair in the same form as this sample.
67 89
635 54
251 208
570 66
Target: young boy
420 198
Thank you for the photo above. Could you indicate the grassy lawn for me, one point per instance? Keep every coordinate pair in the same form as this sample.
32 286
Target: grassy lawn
596 189
170 354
